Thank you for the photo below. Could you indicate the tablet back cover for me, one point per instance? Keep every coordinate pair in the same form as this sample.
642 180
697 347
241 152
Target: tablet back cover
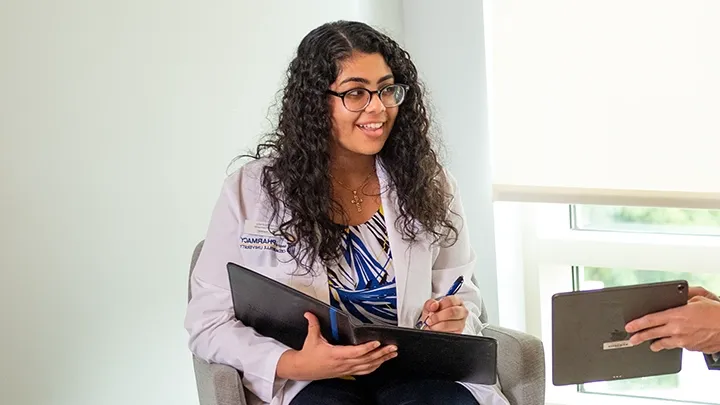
589 342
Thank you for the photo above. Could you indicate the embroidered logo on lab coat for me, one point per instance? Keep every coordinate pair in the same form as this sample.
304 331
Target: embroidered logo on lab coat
257 242
257 237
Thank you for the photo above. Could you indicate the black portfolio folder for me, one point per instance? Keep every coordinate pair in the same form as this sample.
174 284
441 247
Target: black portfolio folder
276 310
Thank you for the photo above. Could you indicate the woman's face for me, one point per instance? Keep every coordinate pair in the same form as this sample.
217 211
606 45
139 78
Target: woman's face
363 132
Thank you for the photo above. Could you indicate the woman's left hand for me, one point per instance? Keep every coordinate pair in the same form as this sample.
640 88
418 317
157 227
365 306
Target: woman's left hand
446 315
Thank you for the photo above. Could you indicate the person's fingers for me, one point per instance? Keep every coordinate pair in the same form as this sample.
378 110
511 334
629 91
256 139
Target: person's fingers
697 292
450 301
449 326
373 356
666 343
352 352
651 320
431 306
378 362
657 332
368 368
314 333
453 313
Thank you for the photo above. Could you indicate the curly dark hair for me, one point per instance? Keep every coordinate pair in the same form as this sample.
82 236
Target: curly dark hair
297 177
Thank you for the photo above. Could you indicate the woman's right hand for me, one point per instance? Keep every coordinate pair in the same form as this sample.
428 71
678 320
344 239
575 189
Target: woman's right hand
319 360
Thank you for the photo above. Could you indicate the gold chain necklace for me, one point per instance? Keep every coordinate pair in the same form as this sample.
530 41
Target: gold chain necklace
356 200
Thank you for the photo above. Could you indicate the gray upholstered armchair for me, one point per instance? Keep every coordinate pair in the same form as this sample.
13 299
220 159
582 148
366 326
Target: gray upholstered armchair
521 368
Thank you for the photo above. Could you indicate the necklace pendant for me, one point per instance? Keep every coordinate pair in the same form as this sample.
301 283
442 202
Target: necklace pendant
357 201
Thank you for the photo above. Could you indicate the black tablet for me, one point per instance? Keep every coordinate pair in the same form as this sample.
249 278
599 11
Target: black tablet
589 342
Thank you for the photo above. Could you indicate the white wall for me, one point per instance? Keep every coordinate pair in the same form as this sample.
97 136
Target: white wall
118 122
384 15
446 41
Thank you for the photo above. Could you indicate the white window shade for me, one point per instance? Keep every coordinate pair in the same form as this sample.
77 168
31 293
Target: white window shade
608 102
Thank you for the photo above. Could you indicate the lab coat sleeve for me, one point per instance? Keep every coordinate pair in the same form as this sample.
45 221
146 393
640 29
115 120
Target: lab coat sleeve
456 260
215 334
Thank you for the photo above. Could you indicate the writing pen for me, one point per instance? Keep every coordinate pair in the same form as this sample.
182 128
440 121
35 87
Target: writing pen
421 324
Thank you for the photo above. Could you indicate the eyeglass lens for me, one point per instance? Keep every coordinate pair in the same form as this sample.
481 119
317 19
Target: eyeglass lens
390 96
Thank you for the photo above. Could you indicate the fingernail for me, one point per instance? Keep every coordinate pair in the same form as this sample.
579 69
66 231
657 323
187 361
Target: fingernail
376 345
393 348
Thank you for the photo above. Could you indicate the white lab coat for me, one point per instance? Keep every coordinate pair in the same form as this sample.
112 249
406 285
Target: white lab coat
421 270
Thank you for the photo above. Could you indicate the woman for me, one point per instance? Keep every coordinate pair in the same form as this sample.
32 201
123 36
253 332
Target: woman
360 215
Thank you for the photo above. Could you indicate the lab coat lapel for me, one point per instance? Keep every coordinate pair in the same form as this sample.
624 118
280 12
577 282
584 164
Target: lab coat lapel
413 286
320 283
313 285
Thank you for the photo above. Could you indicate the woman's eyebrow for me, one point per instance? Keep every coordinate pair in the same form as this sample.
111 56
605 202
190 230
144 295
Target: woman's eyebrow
355 79
385 78
365 81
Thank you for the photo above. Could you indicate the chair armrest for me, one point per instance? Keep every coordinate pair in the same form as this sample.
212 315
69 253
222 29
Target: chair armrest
521 365
218 384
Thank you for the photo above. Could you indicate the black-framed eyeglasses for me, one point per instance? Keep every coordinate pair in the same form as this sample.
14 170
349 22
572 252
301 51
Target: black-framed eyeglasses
358 99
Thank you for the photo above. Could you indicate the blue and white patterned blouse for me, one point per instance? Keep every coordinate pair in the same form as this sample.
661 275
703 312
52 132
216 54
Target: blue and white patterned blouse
363 286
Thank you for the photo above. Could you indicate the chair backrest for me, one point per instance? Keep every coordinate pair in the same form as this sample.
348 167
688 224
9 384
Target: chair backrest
483 311
195 255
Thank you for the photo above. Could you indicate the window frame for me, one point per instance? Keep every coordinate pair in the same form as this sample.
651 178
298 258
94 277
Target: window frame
547 248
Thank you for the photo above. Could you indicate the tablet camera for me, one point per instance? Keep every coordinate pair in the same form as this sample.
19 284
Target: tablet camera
680 288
